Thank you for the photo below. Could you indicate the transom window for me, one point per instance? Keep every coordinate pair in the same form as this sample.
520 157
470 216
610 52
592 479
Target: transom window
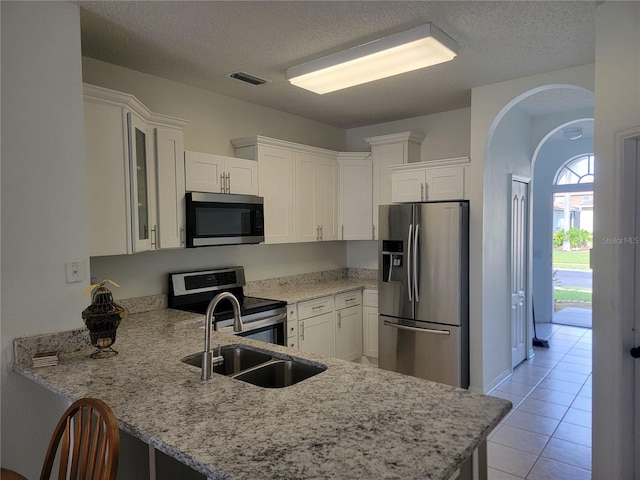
577 170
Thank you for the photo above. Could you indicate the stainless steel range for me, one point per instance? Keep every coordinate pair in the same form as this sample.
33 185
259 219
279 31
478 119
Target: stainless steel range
263 319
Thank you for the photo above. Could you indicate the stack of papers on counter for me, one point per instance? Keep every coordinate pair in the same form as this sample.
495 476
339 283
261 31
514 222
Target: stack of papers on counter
45 359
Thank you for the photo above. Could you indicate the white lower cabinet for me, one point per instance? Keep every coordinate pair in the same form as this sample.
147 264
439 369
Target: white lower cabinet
349 333
370 323
330 326
317 334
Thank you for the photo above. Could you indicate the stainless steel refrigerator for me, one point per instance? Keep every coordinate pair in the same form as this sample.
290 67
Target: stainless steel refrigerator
423 291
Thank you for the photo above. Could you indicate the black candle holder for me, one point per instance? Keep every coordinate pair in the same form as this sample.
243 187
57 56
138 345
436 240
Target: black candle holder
102 318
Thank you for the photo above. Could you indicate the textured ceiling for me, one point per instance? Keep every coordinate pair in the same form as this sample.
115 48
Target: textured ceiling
199 43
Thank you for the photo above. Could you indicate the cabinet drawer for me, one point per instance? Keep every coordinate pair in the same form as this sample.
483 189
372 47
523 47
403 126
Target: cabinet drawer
312 308
348 299
292 342
292 328
292 313
370 298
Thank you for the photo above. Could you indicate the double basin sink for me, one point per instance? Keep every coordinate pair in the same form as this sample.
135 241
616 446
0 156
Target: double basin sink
262 369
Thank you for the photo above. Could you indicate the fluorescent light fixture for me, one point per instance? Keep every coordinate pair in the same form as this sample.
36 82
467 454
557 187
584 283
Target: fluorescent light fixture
402 52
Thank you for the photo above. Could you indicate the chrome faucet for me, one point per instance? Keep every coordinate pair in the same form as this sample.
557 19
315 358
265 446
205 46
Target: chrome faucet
208 360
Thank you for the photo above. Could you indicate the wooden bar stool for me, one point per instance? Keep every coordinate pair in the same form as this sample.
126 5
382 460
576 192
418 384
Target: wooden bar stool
88 441
6 474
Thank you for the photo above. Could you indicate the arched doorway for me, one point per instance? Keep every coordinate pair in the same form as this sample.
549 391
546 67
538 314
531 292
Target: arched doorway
562 164
572 239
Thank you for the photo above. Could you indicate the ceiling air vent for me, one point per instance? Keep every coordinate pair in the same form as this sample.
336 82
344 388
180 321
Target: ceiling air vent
248 78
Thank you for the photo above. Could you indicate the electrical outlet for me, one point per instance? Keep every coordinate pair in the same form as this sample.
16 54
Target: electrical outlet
75 271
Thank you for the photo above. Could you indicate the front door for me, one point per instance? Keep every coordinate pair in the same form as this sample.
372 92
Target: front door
519 270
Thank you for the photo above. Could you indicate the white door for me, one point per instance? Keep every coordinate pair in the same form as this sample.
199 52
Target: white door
519 270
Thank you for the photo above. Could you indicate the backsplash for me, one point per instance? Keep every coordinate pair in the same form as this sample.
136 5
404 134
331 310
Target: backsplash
310 278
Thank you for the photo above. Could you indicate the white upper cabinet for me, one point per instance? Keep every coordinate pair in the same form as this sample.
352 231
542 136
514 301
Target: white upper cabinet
135 175
355 195
170 187
276 177
206 172
142 174
430 181
316 188
388 150
299 185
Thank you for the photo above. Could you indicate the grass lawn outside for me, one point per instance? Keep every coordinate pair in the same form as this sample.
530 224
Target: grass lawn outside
572 294
572 260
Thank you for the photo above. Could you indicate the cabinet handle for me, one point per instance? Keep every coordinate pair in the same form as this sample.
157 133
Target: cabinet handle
320 232
317 232
339 319
301 330
342 232
228 183
426 191
421 191
373 232
350 299
154 237
182 236
222 183
317 306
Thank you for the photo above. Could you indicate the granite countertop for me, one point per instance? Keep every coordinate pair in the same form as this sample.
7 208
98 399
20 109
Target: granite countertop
350 421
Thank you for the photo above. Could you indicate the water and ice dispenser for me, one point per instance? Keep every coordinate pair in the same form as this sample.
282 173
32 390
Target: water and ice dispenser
393 261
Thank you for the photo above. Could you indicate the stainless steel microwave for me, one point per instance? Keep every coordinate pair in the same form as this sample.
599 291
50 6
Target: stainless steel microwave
221 219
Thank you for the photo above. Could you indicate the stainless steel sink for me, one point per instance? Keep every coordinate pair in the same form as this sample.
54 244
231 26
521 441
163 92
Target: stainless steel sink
279 374
258 368
236 359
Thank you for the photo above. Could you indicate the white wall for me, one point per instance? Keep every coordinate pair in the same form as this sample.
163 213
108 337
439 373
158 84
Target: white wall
215 119
447 134
551 156
508 153
617 107
44 217
489 104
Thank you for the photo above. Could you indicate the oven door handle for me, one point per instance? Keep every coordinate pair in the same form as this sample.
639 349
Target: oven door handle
248 327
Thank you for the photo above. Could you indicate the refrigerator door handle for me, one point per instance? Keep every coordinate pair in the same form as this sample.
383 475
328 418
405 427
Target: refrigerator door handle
419 330
409 285
416 288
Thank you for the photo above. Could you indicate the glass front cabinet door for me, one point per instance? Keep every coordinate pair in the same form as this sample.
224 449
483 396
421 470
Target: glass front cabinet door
143 225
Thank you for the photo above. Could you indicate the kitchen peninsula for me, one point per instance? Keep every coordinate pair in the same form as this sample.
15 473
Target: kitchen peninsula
351 421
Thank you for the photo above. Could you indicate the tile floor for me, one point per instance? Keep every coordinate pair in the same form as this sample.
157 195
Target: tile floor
547 434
